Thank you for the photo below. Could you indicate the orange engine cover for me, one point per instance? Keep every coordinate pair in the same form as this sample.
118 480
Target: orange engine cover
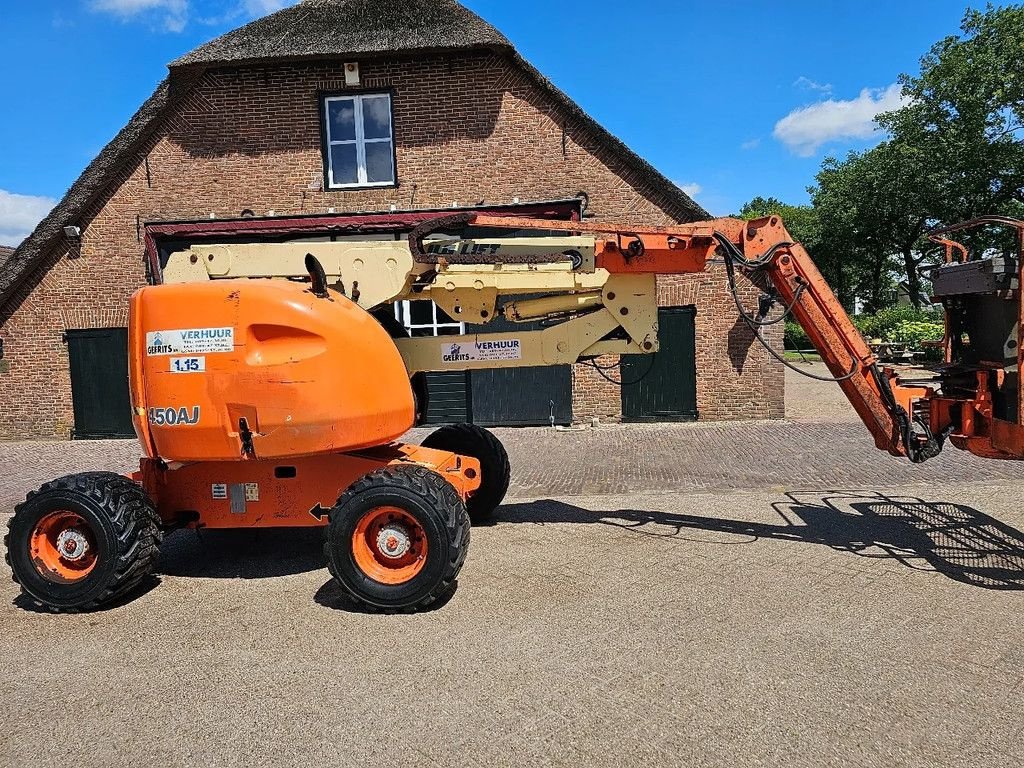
308 375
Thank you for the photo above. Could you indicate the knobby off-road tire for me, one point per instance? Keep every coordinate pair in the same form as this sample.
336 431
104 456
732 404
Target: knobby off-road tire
111 514
471 440
426 516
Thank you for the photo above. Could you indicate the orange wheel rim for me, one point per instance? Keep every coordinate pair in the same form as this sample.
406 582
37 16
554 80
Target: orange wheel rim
389 545
62 546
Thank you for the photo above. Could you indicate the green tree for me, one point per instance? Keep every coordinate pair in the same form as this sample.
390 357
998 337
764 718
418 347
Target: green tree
805 224
954 152
874 205
965 115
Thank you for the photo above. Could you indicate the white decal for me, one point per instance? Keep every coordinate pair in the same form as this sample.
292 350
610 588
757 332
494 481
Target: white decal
252 491
463 352
219 490
188 364
190 341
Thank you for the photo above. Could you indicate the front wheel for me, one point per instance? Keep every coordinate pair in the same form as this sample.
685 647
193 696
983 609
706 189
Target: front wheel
495 471
397 539
83 540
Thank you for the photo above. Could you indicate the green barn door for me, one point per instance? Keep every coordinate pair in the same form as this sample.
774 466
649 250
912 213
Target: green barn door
99 383
663 386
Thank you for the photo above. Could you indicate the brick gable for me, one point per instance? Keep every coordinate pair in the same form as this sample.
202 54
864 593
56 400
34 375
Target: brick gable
468 128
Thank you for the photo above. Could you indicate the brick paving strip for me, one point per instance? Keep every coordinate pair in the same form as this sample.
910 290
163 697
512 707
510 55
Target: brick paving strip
613 459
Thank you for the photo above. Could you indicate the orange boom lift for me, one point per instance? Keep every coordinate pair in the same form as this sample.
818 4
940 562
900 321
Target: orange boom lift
272 403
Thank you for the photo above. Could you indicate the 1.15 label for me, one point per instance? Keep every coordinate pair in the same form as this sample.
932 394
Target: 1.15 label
188 364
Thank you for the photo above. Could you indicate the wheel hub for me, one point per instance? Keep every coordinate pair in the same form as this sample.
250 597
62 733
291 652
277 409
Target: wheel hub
394 541
72 544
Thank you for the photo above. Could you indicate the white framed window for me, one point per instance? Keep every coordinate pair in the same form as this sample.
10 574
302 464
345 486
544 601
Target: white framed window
359 147
425 318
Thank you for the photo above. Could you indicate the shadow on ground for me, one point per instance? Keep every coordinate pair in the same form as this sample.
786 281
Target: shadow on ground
251 553
258 553
148 584
955 540
332 595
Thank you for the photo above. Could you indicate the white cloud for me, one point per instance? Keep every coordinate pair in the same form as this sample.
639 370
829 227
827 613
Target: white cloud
752 144
691 188
804 130
173 14
263 7
19 215
806 84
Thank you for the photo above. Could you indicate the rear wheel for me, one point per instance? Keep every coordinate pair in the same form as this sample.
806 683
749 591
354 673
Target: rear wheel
495 471
397 539
83 540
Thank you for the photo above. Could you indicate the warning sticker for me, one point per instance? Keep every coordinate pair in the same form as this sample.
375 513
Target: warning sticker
219 490
190 341
461 352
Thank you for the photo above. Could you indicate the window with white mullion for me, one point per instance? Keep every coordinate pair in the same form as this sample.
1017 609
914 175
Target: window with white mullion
425 318
359 141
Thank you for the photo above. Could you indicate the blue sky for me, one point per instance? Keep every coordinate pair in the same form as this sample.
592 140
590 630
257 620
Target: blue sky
729 99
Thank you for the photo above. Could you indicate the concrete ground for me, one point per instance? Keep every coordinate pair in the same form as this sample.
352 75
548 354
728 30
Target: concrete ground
767 593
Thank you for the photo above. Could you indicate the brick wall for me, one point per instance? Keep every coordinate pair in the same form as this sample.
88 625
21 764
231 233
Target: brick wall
467 129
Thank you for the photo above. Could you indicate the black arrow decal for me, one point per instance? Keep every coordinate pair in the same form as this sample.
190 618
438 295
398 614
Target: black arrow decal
319 512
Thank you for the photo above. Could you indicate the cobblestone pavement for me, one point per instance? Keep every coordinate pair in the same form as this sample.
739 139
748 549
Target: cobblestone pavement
617 459
692 629
748 594
818 401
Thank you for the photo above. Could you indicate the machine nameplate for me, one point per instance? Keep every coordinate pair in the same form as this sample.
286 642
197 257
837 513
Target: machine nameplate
190 341
503 349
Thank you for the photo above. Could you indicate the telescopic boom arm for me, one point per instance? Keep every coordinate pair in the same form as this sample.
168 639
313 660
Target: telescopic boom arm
760 248
593 290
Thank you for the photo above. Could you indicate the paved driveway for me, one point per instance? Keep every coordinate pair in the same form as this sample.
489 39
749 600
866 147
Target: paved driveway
726 595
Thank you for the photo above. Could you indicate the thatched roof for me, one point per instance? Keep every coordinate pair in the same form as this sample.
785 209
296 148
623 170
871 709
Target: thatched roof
315 29
327 28
5 252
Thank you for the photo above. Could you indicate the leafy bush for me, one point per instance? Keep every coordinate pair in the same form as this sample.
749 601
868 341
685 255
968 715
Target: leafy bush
913 332
796 336
901 325
893 323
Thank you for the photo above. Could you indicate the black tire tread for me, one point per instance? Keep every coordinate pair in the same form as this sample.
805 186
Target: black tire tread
467 439
440 494
134 519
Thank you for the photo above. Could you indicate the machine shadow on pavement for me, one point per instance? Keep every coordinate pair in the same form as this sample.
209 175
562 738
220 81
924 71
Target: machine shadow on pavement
246 553
958 541
331 595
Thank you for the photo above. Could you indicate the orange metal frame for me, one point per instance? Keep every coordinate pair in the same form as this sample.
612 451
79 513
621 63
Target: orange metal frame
294 492
976 429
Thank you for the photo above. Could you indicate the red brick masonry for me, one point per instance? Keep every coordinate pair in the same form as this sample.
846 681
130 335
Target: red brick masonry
467 128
